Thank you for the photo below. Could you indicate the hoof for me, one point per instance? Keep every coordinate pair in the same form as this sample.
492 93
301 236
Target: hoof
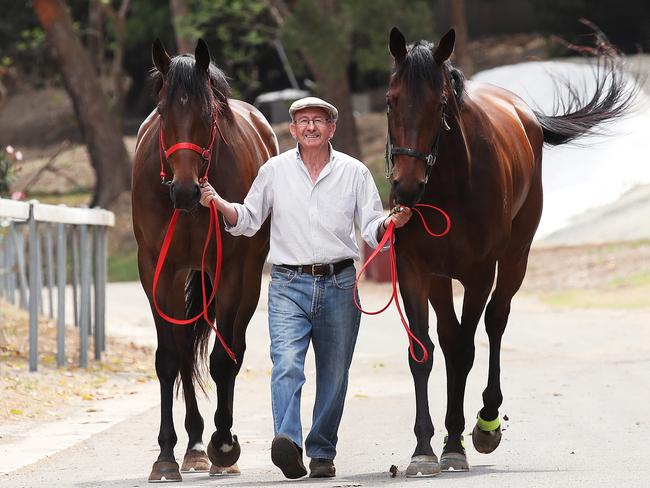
453 461
165 471
224 471
486 441
225 454
196 461
423 466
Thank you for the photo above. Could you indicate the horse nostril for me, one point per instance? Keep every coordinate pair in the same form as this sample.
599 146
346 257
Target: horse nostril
172 189
197 190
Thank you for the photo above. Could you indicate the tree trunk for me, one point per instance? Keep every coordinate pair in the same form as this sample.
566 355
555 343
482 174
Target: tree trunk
336 90
329 71
458 21
99 126
179 10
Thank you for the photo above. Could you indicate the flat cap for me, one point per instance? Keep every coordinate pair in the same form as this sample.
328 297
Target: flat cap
308 102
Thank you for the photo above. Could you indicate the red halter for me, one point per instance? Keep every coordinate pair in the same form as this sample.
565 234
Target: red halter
204 152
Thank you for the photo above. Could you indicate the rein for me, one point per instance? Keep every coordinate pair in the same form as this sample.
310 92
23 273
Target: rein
214 222
206 155
388 237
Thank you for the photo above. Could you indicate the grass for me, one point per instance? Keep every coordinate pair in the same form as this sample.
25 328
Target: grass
600 299
123 267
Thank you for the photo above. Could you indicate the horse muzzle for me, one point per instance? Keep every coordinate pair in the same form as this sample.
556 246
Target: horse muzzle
185 196
407 197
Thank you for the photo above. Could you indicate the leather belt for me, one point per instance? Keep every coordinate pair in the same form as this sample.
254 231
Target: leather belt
319 269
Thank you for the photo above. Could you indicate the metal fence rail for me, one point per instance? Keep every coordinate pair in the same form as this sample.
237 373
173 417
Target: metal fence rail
31 225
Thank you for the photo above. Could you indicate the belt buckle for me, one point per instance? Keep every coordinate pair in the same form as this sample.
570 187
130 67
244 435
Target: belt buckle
319 266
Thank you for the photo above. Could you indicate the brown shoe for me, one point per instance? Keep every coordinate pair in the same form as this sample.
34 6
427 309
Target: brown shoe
321 468
287 456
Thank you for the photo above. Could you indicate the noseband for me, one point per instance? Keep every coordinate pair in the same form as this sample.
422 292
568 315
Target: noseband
428 158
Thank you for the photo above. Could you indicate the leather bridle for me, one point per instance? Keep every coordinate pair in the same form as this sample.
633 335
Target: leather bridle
428 158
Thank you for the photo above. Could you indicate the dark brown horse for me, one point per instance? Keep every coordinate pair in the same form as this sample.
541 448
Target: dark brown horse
474 150
193 107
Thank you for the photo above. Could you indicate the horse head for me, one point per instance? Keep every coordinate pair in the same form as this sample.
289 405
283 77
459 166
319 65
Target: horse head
416 101
189 92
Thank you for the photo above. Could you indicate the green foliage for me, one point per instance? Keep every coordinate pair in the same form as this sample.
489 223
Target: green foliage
123 267
9 167
240 35
355 34
372 24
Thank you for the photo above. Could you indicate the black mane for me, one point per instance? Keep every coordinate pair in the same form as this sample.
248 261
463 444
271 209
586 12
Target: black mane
418 67
183 76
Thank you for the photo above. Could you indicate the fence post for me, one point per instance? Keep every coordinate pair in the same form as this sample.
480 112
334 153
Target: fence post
74 236
49 269
99 240
60 278
34 292
84 305
19 247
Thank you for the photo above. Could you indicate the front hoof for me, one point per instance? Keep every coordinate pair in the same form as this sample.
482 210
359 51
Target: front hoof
224 471
453 461
165 471
486 441
225 454
423 466
196 461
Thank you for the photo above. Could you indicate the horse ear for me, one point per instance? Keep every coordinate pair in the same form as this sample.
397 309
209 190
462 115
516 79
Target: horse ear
397 45
445 47
160 57
202 56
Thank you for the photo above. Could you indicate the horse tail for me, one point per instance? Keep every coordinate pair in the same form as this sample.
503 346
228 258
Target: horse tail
613 96
201 329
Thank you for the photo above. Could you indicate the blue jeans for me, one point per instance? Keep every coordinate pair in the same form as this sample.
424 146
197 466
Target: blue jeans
321 309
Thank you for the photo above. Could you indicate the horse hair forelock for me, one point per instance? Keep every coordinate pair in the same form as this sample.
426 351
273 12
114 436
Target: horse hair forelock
183 76
420 66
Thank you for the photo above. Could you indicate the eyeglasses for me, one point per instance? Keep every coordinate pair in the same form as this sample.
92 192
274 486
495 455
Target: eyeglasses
318 122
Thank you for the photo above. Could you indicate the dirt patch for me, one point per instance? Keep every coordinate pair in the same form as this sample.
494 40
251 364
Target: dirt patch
613 275
52 392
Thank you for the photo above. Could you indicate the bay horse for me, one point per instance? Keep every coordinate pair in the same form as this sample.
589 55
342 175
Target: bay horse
196 131
474 150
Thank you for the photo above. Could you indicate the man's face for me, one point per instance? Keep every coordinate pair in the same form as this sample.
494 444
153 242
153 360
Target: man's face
312 127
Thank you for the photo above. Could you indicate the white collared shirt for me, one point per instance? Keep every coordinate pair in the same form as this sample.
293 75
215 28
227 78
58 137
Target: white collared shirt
312 222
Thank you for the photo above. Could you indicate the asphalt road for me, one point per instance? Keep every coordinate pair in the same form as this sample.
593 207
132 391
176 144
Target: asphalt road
576 387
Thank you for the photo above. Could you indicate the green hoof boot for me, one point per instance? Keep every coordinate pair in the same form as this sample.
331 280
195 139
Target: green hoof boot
486 435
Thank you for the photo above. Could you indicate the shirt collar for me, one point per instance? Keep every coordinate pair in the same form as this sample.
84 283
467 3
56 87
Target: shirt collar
330 148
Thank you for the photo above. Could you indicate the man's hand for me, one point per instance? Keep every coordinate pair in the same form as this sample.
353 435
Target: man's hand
207 194
399 215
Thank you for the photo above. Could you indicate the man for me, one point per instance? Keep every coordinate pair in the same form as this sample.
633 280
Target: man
315 196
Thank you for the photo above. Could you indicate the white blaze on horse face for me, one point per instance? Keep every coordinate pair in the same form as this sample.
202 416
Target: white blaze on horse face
226 448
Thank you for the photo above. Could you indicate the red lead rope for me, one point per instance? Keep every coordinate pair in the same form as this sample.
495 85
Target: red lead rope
388 237
214 222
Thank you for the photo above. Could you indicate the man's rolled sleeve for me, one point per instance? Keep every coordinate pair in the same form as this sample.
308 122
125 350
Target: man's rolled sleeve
369 211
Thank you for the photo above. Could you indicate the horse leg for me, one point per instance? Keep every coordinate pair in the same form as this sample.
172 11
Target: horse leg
167 363
424 462
195 458
512 268
460 357
224 448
